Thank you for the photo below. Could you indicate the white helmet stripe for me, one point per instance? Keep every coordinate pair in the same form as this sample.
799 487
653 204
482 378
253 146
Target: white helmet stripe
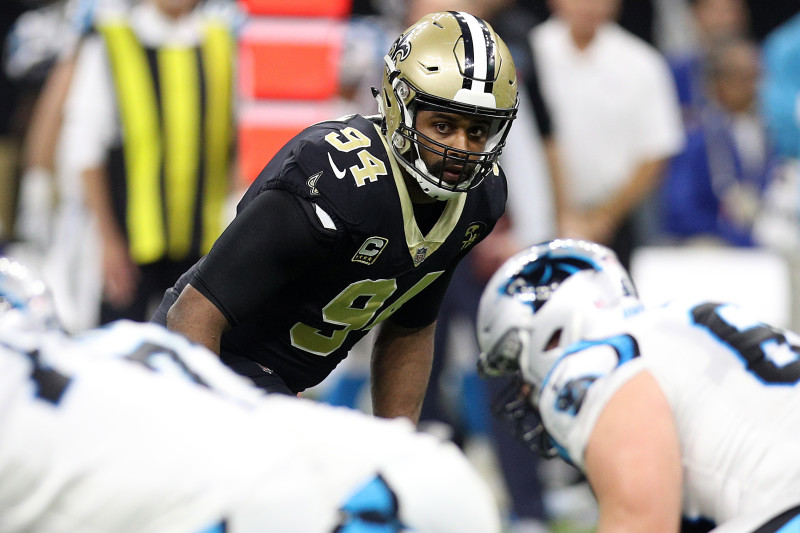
479 52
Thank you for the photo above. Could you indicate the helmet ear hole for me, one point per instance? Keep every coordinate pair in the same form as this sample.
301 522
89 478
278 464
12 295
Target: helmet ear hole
554 339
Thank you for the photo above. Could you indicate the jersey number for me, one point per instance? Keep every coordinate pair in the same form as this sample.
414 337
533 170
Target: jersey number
764 350
163 359
50 384
354 309
350 139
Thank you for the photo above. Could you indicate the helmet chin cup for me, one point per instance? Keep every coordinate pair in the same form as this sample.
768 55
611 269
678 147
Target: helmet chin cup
418 171
432 190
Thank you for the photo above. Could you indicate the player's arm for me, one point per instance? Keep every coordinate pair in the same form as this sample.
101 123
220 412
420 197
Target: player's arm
633 461
272 243
195 317
403 354
400 368
644 179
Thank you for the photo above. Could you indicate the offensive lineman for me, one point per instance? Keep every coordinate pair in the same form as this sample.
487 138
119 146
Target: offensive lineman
684 411
361 221
130 428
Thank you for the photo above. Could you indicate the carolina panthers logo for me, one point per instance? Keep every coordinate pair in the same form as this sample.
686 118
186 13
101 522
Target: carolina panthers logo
570 397
373 509
538 278
401 48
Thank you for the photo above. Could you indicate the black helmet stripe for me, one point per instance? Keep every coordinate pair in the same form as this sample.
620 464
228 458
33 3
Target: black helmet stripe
469 49
479 52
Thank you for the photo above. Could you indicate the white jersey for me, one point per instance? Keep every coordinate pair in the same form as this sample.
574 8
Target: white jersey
731 385
93 443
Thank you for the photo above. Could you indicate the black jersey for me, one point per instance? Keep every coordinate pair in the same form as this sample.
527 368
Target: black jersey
371 260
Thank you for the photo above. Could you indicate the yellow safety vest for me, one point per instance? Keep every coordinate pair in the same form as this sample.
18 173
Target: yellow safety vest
175 111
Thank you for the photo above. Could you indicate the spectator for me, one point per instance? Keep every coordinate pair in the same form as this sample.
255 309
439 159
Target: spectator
49 212
615 119
637 16
781 87
17 86
713 189
713 21
148 128
778 226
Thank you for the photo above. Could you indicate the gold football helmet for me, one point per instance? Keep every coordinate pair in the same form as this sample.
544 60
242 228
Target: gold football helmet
453 62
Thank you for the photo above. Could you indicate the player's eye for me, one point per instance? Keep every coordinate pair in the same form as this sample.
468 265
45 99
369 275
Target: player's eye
443 128
478 133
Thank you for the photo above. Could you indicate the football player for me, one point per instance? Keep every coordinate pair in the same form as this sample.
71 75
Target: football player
131 428
686 410
360 221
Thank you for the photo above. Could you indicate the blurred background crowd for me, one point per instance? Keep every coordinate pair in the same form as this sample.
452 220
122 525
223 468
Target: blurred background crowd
667 129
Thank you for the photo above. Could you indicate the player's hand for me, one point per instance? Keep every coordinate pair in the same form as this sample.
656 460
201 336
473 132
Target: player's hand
120 274
592 225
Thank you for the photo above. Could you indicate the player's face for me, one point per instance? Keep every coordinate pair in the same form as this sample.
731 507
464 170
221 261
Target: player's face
721 18
736 83
585 16
460 132
176 8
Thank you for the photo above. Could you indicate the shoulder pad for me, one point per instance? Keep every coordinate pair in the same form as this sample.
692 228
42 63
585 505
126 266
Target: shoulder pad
578 388
345 159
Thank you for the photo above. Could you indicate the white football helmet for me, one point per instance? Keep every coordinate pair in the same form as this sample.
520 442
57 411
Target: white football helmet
452 62
539 302
25 297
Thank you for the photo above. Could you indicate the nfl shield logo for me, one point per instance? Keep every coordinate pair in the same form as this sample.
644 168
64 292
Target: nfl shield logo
419 257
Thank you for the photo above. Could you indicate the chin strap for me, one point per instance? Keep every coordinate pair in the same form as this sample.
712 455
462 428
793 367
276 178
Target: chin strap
376 94
394 72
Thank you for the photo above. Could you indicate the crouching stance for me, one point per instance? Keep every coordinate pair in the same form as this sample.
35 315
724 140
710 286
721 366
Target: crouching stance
130 428
686 411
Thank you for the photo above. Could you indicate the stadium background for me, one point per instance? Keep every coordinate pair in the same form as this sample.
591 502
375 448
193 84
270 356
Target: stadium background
302 61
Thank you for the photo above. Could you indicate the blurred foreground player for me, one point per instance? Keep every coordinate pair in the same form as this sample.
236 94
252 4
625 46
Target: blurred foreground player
130 428
684 411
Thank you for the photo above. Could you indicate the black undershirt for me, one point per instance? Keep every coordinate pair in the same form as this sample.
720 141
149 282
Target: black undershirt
428 214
